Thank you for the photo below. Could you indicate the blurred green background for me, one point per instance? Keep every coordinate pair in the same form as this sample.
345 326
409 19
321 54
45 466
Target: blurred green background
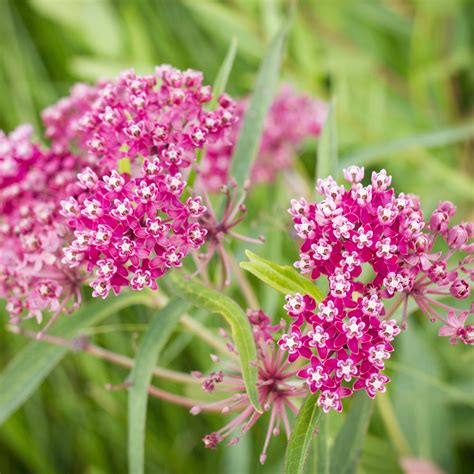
398 69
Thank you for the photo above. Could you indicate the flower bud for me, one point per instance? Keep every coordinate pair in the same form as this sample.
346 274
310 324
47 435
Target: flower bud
439 221
354 174
460 289
448 207
457 236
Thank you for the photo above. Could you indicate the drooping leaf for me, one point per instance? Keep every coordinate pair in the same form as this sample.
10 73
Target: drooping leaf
283 278
327 146
200 295
347 447
33 364
159 330
250 134
302 434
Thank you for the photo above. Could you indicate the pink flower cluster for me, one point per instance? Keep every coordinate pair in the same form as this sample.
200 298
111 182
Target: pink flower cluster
132 226
371 244
292 119
32 180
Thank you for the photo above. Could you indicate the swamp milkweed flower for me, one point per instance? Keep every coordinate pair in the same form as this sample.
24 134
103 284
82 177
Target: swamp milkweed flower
349 234
131 226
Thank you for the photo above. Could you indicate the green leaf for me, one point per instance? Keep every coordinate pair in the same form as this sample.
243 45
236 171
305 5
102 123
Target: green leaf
222 77
159 330
303 431
327 146
349 441
33 364
202 296
323 446
250 134
438 138
378 456
421 410
284 279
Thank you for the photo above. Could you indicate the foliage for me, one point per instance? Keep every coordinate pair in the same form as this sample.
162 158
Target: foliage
402 77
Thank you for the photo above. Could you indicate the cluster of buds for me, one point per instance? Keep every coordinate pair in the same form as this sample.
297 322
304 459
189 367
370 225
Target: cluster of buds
276 387
131 227
32 277
292 118
347 236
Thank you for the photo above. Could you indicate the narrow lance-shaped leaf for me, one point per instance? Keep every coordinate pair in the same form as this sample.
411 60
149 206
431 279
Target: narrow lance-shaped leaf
33 364
223 74
284 279
347 447
327 146
215 302
252 127
158 332
303 431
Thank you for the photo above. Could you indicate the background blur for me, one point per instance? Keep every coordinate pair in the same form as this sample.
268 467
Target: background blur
398 68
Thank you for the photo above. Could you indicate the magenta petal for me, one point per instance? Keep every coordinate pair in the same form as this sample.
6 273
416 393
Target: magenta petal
344 392
446 331
353 345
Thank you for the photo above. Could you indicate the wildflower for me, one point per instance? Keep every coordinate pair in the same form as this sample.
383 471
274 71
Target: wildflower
142 222
346 340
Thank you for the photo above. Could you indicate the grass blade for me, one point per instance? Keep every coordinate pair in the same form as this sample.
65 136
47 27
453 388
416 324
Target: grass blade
199 295
260 101
303 431
33 364
159 330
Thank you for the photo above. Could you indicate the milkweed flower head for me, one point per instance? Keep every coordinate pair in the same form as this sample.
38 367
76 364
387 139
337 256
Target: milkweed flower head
33 279
132 225
276 388
292 118
347 337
